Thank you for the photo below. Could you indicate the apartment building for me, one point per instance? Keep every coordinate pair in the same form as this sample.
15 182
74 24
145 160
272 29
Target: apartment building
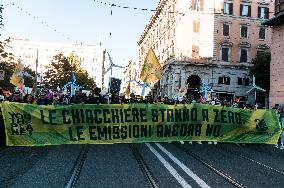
276 95
90 56
209 42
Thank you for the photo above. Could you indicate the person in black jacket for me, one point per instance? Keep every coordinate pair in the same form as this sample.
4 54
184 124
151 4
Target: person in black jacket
79 98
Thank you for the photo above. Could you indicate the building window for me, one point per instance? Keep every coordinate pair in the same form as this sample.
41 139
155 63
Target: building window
197 5
225 54
240 81
226 30
196 26
246 80
245 10
195 51
263 12
224 80
228 8
244 55
243 81
261 34
279 6
244 31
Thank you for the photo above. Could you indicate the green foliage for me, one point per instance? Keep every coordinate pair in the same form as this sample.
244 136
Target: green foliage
261 70
29 82
7 63
59 72
8 67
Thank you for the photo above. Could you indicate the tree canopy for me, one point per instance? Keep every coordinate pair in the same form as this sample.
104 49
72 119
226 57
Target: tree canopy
261 70
59 72
7 64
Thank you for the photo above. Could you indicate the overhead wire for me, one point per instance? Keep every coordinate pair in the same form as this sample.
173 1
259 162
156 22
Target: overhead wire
41 21
1 18
133 8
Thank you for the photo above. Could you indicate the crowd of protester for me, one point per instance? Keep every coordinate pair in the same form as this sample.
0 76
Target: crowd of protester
45 96
54 97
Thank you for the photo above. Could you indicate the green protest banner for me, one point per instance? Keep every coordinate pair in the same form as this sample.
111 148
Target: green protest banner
34 125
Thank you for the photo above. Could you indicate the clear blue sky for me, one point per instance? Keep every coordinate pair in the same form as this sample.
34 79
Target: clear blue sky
82 20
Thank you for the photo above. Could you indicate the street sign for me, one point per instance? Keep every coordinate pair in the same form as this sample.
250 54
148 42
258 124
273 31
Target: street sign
2 74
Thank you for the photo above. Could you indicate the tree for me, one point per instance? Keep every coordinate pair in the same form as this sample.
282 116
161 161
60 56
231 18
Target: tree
59 72
7 64
261 70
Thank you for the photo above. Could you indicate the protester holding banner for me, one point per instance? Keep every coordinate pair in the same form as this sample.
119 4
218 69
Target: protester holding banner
44 98
29 99
78 98
17 96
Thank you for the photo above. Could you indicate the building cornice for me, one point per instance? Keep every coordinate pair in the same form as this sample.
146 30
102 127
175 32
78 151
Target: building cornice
206 64
152 20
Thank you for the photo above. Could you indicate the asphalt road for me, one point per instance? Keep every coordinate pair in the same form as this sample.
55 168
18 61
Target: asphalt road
143 165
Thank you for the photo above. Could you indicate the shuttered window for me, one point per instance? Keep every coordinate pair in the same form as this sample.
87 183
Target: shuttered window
245 10
228 8
225 54
226 30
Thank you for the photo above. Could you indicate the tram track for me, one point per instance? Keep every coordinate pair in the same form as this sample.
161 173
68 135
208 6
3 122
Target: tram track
17 166
3 148
210 166
150 179
251 160
77 168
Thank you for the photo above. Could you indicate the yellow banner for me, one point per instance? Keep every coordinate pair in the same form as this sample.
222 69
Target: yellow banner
34 125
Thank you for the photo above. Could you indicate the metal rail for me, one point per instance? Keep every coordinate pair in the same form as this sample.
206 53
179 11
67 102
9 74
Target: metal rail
77 167
251 160
2 148
150 179
230 179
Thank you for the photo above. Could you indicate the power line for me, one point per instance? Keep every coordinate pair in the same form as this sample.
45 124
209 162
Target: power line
134 8
41 21
1 18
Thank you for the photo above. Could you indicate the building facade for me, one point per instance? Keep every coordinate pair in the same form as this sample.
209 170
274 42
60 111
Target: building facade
130 82
276 95
209 42
91 57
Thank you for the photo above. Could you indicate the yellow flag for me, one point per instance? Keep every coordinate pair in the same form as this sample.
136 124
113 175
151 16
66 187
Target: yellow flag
17 77
127 91
152 69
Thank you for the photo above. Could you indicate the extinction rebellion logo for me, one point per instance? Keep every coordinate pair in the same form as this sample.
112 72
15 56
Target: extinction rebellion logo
261 128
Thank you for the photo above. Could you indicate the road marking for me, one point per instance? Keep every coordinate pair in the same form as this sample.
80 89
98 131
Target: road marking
171 169
185 168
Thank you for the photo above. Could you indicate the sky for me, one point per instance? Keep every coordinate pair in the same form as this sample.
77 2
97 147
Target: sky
79 21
